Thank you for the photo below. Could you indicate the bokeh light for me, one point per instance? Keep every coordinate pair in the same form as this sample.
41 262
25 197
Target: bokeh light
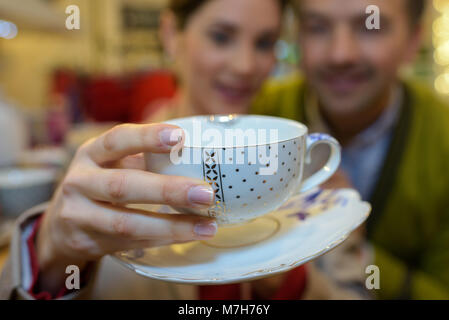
8 30
441 29
441 42
441 5
442 54
442 83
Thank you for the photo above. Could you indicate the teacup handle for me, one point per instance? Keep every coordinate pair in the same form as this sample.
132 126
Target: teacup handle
329 168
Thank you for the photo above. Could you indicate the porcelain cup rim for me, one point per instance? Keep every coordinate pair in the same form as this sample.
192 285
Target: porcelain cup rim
302 131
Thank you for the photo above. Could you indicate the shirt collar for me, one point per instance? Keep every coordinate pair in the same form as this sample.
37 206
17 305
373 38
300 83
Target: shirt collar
379 128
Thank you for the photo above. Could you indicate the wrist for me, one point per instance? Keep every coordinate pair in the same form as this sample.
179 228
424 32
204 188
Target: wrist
52 260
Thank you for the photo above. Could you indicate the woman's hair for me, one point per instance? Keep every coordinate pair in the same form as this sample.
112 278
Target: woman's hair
184 9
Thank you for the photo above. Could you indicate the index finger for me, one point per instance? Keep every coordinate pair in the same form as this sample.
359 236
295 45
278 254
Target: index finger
131 139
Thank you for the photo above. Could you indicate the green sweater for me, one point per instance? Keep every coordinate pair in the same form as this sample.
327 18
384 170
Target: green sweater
409 225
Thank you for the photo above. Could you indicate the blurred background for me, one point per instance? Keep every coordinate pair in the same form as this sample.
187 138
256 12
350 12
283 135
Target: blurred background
59 87
114 62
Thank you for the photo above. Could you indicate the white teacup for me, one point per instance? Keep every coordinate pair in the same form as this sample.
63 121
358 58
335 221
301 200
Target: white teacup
253 163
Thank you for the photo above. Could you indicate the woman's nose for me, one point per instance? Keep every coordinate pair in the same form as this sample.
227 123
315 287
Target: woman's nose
243 62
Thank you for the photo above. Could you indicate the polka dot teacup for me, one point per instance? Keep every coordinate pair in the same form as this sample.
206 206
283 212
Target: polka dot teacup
253 163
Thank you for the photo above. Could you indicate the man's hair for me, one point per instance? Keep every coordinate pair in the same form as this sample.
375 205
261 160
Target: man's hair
416 10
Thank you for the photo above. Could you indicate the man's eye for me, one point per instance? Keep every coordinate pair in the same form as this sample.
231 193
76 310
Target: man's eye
364 30
219 38
316 29
373 29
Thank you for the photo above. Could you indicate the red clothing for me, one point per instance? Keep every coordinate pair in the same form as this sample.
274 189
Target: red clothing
291 289
39 295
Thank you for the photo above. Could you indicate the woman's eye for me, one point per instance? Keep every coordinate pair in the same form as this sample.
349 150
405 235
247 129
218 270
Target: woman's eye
265 44
220 38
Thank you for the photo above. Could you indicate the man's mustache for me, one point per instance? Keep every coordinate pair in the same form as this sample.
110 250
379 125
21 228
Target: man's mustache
353 71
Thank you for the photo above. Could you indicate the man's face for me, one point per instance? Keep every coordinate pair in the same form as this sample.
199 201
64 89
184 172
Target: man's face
349 66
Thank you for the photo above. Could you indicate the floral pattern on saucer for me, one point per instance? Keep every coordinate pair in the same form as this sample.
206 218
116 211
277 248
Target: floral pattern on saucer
314 202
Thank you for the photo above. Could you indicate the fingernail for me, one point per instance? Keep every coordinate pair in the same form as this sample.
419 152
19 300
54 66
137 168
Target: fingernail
201 195
171 137
206 229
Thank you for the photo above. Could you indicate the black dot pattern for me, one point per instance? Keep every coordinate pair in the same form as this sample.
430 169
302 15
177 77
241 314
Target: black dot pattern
247 185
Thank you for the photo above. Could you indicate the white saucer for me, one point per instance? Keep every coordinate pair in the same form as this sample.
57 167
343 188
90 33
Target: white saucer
308 226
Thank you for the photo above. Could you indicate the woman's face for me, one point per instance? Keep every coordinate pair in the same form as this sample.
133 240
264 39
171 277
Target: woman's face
226 51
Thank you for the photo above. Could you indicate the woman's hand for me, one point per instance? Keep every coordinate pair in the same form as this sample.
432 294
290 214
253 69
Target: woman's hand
87 217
